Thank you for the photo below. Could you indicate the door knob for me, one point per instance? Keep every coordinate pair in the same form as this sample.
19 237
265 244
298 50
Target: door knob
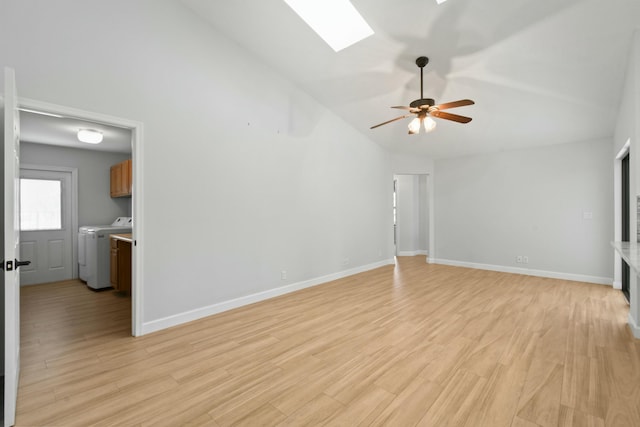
8 265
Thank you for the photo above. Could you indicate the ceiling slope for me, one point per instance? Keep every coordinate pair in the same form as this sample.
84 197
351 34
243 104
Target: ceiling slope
540 72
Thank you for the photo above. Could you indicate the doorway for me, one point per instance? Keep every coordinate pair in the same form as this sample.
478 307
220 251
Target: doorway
135 130
411 215
395 217
625 221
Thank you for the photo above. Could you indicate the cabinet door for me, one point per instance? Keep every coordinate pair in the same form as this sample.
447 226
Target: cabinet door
116 180
121 179
126 178
114 269
124 266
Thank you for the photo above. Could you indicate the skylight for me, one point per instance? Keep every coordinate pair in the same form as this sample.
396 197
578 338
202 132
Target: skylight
337 22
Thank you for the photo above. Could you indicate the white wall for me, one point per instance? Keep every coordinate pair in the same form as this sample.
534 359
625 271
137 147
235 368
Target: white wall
491 208
95 205
411 165
244 175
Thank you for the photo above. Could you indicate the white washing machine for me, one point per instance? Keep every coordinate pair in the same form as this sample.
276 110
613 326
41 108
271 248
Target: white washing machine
94 251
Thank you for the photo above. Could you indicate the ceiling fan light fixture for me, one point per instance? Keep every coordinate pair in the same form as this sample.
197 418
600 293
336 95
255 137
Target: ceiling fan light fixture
429 124
414 126
90 136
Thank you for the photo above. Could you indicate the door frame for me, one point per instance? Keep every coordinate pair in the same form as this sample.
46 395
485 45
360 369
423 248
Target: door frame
625 221
430 198
395 216
617 212
137 205
11 245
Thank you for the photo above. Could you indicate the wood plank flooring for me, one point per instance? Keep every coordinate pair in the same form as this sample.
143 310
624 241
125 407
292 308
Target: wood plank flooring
411 345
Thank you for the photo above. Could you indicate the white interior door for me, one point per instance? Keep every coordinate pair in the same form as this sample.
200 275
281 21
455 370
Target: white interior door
11 246
46 235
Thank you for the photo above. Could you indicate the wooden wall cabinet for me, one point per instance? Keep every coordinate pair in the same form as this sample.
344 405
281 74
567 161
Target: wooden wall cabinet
121 174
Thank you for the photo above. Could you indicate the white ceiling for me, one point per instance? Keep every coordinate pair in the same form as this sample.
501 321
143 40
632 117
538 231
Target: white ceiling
540 71
41 129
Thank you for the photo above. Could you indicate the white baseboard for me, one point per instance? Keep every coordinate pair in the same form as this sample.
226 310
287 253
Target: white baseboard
199 313
617 284
635 329
411 253
525 271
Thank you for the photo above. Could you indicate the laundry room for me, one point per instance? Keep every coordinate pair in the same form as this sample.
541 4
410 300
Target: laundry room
75 193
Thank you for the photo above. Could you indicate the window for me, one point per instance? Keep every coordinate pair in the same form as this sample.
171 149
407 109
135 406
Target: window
40 204
337 22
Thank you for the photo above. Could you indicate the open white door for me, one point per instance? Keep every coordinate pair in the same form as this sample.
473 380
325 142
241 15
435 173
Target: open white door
11 246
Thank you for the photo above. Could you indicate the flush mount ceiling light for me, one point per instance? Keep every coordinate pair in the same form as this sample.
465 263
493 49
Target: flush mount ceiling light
440 1
425 108
337 22
90 136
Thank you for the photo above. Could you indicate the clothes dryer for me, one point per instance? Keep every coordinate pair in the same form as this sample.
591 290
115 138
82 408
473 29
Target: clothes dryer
94 251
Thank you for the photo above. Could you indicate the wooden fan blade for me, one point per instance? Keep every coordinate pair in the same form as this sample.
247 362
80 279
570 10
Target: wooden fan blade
455 104
392 120
402 107
449 116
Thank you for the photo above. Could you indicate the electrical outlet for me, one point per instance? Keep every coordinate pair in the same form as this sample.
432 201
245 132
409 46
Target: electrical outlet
519 259
525 259
283 275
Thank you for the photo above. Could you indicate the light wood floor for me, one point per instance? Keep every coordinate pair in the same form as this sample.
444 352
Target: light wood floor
418 344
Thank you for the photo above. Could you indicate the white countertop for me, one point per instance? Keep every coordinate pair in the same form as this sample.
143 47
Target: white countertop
630 252
125 237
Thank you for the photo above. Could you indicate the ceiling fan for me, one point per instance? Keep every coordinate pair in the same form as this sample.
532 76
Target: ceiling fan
425 108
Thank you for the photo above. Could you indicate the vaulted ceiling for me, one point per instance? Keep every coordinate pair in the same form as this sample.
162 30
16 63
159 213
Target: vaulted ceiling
540 71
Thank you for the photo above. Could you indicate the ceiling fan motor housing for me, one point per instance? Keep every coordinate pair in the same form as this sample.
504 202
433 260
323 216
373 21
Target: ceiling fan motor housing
423 101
